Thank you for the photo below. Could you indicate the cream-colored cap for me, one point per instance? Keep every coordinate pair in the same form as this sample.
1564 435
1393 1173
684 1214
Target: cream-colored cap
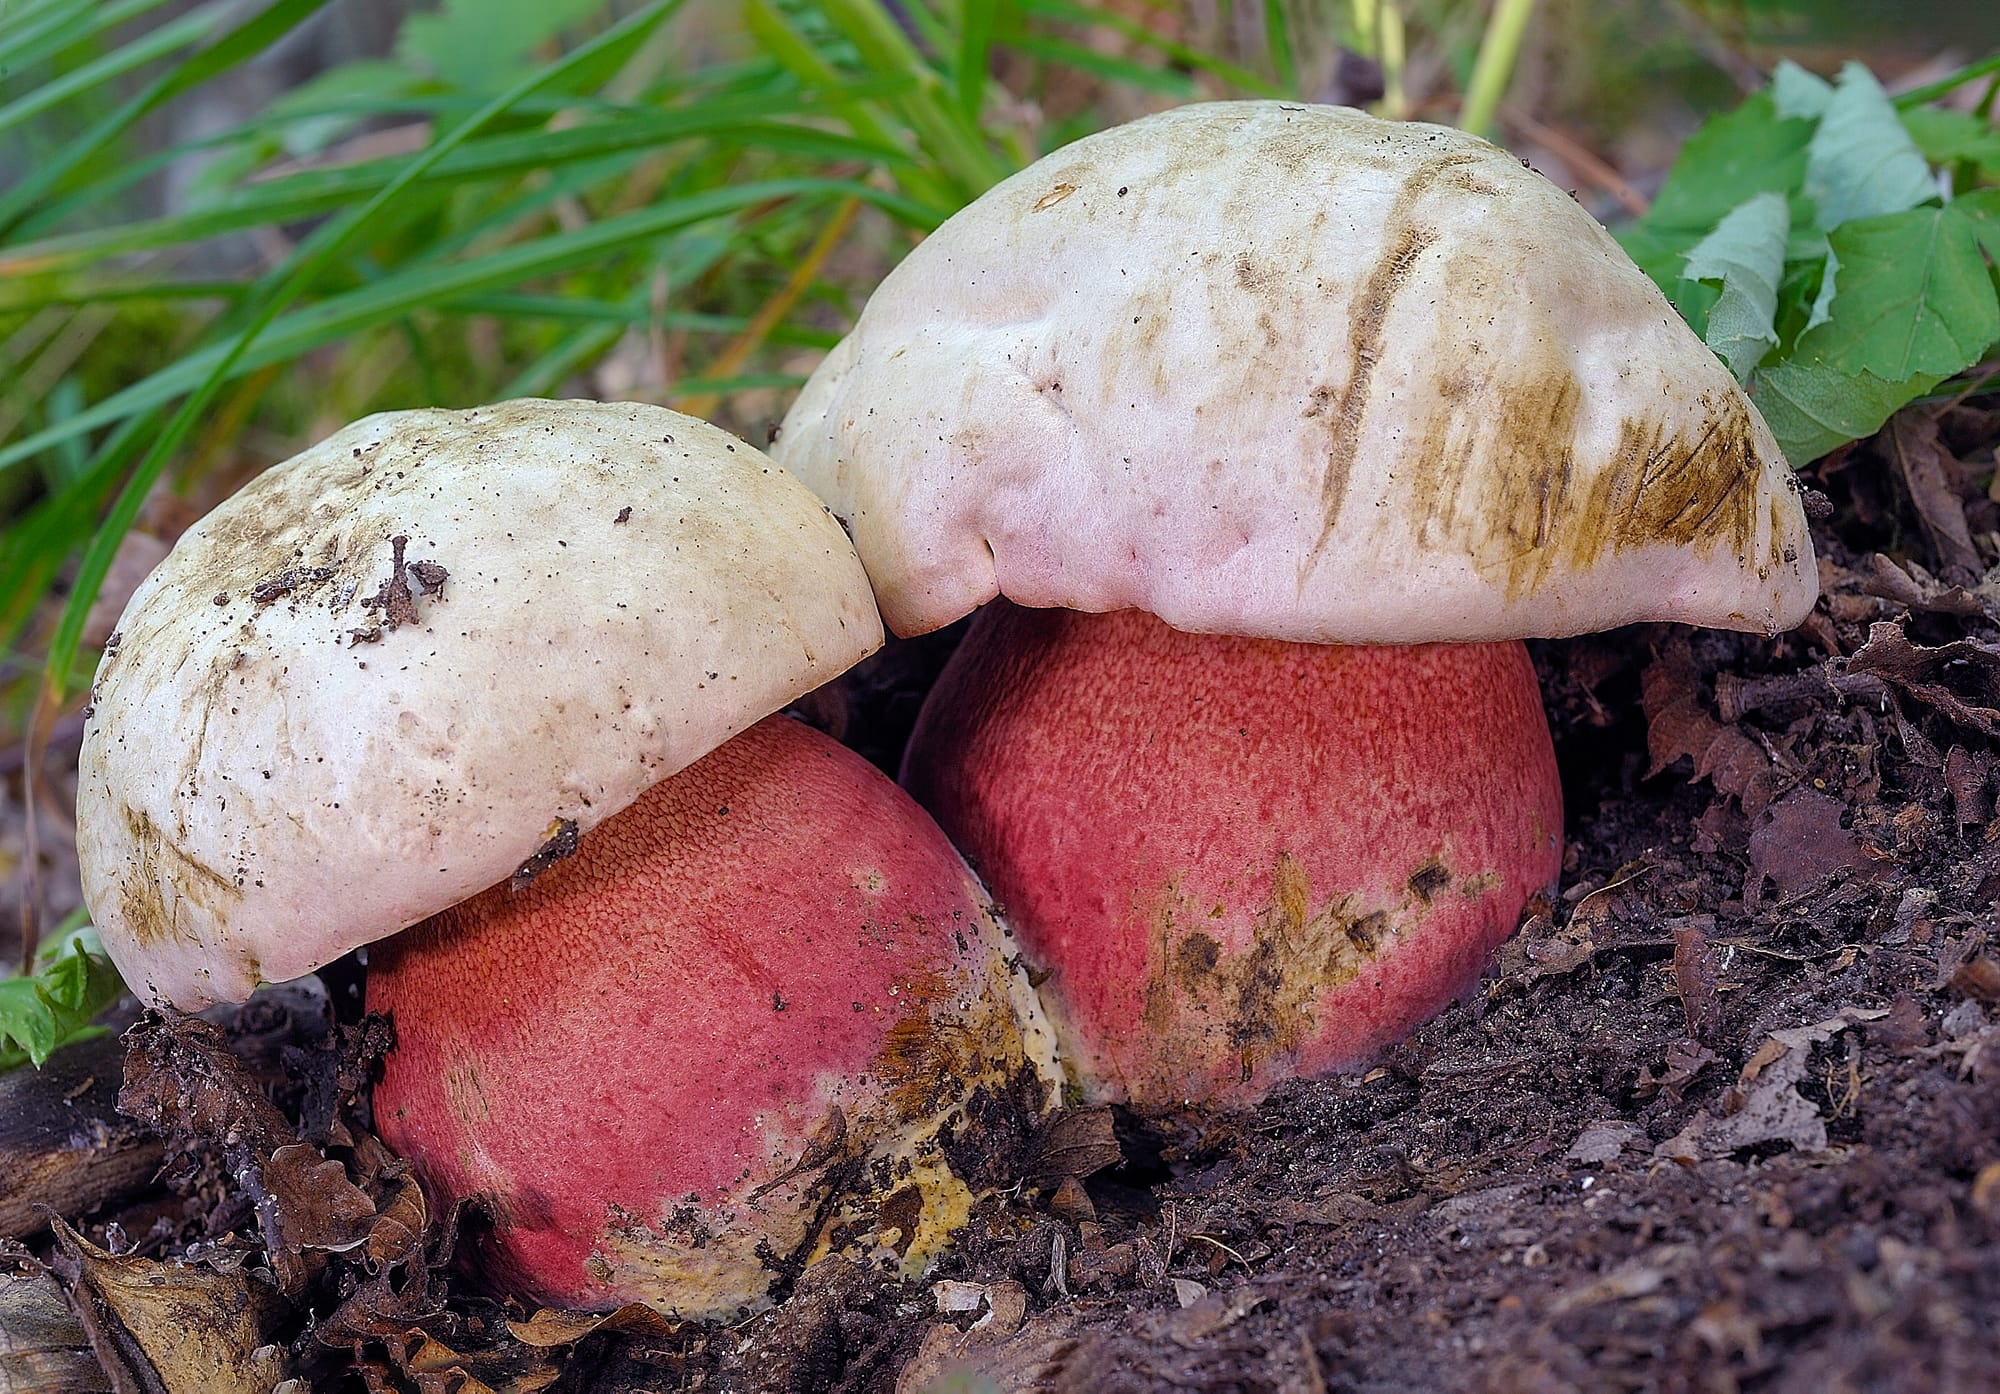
1296 372
297 746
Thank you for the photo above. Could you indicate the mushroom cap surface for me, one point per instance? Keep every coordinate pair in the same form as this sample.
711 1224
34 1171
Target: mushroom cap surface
293 752
1296 373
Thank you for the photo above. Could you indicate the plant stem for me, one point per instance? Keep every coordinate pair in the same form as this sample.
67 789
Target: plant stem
1498 48
1395 101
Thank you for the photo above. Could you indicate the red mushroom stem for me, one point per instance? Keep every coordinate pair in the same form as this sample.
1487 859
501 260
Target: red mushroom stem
762 1013
1238 860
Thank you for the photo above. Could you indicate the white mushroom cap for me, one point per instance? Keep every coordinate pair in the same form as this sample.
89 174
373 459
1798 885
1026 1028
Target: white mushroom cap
1300 373
284 760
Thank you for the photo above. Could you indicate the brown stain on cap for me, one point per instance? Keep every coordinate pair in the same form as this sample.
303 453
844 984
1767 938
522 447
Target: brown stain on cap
1406 238
161 865
1497 478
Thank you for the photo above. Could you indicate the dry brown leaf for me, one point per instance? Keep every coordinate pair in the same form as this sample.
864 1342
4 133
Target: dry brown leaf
1920 671
552 1326
1678 725
1695 976
1927 470
1978 977
1801 842
1764 1104
1075 1142
173 1326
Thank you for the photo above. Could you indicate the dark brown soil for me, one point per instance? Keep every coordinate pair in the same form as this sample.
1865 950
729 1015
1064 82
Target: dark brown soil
1725 1117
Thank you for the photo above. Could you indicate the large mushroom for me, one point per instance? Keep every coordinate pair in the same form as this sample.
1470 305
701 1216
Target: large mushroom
1280 427
680 1049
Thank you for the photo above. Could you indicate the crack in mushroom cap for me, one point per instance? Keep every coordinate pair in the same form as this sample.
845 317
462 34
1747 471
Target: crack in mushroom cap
1296 372
281 764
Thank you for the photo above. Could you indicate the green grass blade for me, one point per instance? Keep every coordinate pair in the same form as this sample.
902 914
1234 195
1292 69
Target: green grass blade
305 266
1113 69
1931 91
1493 69
955 142
422 286
26 39
975 47
1278 40
154 44
1123 70
34 548
626 314
239 45
783 41
293 198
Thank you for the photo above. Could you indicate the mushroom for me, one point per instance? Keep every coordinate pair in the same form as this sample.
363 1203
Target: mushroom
719 1001
1280 427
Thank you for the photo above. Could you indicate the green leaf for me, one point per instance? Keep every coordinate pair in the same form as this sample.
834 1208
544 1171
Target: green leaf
1812 408
1746 254
307 262
1914 298
423 285
154 44
1749 151
70 988
1822 307
1982 210
1861 163
1796 92
233 48
1947 137
1729 161
483 45
975 46
27 1023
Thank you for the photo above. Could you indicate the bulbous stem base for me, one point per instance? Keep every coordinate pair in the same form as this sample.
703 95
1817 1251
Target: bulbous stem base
1238 860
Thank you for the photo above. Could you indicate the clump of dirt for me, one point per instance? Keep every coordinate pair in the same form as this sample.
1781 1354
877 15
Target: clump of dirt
1725 1116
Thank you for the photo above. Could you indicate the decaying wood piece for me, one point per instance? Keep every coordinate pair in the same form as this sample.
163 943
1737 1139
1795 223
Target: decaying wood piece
64 1147
43 1348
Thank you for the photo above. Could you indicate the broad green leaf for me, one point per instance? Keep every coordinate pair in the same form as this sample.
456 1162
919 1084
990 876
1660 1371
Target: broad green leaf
1946 137
1796 92
1729 161
26 1023
1914 298
1749 151
1822 308
1981 209
1861 163
56 1004
1746 254
483 45
1812 408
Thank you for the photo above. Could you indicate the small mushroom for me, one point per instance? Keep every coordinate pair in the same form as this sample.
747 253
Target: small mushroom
718 1001
1286 425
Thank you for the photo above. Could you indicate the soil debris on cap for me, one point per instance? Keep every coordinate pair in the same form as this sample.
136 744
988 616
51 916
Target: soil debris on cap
293 578
395 599
558 843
